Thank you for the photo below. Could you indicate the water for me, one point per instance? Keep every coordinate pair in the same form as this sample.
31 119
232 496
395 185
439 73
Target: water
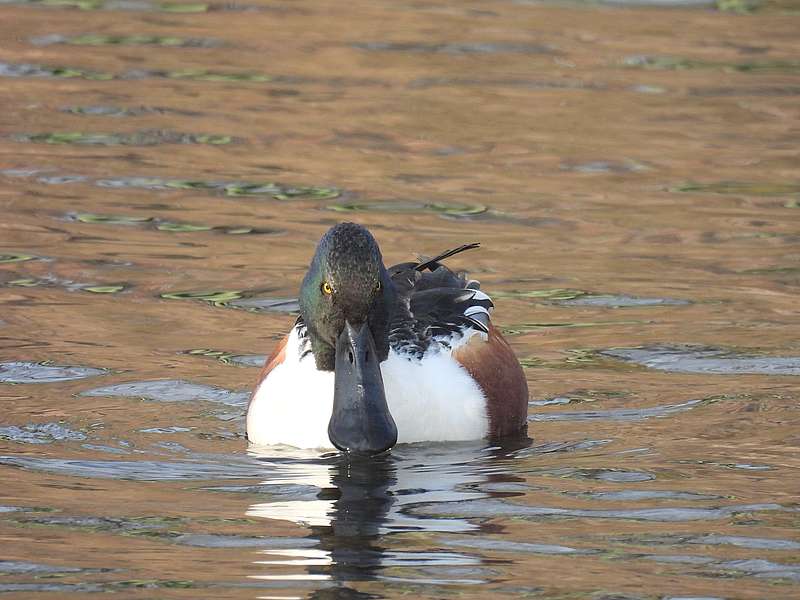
631 170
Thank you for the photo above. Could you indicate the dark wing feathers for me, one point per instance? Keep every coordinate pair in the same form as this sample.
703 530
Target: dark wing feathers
434 303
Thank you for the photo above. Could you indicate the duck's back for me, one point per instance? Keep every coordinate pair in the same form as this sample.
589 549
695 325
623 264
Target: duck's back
444 318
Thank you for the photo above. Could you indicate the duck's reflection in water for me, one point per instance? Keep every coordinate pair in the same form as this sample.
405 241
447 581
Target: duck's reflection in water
352 506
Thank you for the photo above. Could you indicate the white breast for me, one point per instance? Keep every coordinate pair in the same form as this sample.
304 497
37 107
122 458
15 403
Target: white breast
431 400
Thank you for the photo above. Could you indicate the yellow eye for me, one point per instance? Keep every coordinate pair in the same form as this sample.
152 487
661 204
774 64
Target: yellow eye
326 288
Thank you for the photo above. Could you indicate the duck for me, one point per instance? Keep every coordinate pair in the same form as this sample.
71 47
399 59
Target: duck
383 356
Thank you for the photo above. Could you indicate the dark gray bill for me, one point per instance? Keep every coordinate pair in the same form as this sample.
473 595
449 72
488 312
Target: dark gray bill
361 422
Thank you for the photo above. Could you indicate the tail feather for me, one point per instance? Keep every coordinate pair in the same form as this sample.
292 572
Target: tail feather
433 263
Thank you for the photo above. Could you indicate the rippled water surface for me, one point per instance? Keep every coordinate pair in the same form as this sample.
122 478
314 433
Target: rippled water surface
632 170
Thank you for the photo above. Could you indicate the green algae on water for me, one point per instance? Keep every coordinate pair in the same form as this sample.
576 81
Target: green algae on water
168 7
29 70
138 40
521 328
214 140
737 6
79 4
278 192
154 584
531 362
673 63
125 111
33 70
103 289
182 227
69 285
25 283
213 297
111 219
229 358
547 294
445 208
172 7
220 355
232 189
170 226
137 138
11 258
204 75
577 358
740 187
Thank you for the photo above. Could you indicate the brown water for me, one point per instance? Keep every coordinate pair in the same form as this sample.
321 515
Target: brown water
633 174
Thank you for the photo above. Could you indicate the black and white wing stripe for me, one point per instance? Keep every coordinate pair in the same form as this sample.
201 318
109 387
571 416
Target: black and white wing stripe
435 305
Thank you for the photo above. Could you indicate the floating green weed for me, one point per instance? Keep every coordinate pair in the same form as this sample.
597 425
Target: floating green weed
528 327
741 187
451 209
104 289
25 283
220 355
111 219
672 63
246 230
531 362
182 184
214 140
138 138
168 7
182 227
278 192
31 70
10 258
57 138
169 226
154 584
70 285
317 193
236 189
183 8
228 188
781 66
79 4
138 40
795 203
203 75
214 297
112 111
548 294
663 62
74 73
581 356
737 6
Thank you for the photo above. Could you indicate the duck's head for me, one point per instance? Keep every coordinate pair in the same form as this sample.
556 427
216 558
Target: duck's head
346 302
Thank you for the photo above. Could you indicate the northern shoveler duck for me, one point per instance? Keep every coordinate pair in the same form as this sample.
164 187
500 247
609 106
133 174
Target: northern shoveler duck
383 356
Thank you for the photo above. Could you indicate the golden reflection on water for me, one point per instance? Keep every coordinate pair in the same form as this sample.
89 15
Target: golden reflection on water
632 175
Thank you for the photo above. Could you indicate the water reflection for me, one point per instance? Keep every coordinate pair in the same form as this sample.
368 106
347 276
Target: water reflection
352 507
